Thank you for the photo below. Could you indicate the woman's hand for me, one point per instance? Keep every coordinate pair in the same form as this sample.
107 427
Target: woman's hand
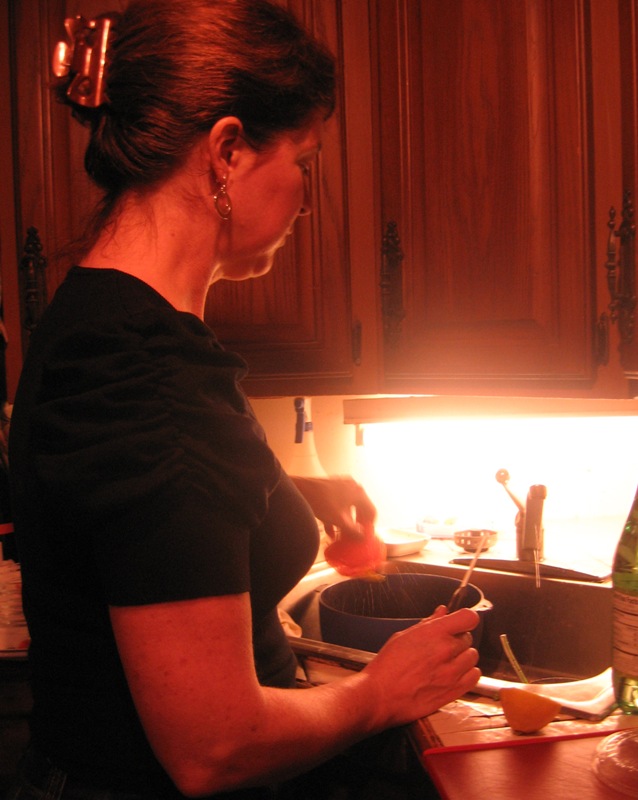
426 666
340 503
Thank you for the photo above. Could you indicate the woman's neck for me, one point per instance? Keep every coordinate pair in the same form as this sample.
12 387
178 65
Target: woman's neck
164 241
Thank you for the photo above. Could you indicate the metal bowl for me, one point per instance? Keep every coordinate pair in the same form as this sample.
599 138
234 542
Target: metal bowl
468 540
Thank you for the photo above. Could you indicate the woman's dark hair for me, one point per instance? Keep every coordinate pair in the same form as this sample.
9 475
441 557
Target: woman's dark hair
174 68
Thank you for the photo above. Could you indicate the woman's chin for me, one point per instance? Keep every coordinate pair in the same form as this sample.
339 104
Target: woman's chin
255 268
262 269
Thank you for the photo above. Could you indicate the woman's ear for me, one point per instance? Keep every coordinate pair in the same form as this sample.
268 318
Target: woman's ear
226 145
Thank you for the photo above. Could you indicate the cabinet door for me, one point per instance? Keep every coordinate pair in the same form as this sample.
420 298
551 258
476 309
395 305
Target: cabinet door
49 190
626 278
293 325
485 156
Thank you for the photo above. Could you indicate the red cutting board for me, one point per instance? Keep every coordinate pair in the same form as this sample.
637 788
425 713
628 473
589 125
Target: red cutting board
560 769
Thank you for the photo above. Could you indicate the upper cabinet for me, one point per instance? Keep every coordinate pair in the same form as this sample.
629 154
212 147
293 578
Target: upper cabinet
622 246
459 236
294 326
45 194
485 142
460 200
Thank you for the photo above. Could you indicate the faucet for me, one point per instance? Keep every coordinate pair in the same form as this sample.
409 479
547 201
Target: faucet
529 542
529 520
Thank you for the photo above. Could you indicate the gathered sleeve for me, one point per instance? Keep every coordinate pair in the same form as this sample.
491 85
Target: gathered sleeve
149 452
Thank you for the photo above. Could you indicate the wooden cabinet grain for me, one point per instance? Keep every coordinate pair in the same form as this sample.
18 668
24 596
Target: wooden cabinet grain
626 252
294 326
43 183
486 151
487 130
489 133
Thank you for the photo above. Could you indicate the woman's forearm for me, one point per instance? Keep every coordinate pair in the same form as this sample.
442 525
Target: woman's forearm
291 731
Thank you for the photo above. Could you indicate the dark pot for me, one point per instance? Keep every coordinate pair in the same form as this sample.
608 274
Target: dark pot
364 614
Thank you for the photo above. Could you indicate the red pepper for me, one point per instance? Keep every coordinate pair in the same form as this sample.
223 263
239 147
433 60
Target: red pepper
357 557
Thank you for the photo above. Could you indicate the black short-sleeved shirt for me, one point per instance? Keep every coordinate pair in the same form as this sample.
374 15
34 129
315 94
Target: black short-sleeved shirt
139 475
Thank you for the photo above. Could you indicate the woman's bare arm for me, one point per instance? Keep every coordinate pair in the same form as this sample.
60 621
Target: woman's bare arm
212 726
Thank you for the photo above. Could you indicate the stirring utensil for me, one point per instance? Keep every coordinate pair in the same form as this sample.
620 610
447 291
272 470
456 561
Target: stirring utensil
461 589
512 658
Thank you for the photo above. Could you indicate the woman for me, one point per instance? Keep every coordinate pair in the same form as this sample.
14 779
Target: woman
157 531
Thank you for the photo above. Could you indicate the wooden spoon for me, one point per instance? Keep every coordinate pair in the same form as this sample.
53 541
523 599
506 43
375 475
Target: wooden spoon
461 589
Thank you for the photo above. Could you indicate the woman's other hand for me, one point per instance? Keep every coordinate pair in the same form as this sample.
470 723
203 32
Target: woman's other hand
340 503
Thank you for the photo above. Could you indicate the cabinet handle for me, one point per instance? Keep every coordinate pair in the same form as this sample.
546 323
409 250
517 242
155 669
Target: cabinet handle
356 343
621 267
34 288
391 285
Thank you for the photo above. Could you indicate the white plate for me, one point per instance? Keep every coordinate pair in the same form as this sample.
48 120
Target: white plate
403 543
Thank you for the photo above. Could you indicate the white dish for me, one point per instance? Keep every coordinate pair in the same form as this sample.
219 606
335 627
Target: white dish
403 543
437 529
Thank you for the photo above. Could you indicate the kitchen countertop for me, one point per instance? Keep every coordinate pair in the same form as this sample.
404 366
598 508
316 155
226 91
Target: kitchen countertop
587 545
469 751
485 758
561 768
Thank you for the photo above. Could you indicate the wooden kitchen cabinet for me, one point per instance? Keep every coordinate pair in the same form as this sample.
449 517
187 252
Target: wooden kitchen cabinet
486 153
623 261
43 185
488 131
293 326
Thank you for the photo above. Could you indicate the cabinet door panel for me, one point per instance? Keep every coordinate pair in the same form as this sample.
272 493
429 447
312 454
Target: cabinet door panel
627 255
484 155
293 325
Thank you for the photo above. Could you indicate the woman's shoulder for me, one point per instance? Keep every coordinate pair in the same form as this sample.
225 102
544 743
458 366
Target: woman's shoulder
98 309
107 333
93 295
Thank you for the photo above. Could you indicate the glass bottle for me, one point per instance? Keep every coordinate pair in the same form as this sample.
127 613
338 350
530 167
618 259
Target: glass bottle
625 615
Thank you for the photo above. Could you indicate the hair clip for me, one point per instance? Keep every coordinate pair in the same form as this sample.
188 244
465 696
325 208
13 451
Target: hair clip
84 57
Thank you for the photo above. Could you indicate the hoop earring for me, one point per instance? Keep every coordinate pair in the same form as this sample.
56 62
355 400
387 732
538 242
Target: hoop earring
223 206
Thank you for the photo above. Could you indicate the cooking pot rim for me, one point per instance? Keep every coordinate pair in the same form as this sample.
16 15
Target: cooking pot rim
482 604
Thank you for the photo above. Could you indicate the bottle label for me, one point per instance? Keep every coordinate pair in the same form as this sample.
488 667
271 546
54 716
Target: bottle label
625 656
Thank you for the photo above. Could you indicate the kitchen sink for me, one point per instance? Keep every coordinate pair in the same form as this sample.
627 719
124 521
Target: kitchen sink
559 632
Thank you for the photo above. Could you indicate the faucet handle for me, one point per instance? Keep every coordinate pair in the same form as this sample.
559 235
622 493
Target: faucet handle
503 476
531 544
